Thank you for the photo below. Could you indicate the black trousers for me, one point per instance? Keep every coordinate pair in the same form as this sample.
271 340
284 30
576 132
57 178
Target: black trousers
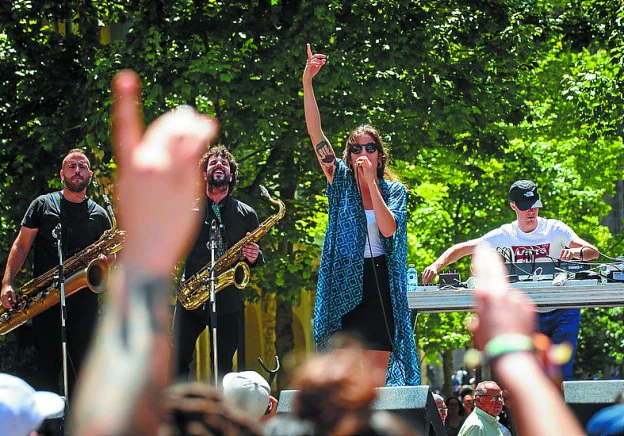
189 324
82 314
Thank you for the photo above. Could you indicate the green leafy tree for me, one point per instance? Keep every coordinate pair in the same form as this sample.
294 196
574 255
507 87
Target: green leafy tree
470 96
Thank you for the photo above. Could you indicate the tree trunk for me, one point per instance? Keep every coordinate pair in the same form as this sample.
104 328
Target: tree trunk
269 310
447 371
284 338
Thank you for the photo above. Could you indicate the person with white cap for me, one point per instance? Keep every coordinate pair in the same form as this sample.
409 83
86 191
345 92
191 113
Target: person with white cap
251 393
22 409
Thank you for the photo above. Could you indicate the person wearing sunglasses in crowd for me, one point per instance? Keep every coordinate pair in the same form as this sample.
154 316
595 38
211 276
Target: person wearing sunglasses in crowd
362 287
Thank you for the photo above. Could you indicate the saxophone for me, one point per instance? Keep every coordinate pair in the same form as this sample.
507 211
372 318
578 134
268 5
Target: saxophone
84 270
195 291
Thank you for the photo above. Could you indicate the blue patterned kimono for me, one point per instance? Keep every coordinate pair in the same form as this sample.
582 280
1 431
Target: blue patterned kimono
339 288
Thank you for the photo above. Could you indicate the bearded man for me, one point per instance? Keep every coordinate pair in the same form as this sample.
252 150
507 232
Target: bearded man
82 223
234 220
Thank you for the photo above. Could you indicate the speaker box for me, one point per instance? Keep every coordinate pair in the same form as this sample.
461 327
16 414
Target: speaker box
585 398
414 404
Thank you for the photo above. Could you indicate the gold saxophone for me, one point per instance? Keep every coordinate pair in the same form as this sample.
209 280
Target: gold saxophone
84 270
195 291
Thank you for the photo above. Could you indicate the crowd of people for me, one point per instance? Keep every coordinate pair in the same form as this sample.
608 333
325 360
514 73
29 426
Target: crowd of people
125 385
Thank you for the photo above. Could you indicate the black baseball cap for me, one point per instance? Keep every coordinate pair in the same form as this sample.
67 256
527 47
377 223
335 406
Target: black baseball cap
524 193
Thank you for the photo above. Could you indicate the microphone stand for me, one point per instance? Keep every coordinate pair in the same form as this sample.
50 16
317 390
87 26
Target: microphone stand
213 244
57 233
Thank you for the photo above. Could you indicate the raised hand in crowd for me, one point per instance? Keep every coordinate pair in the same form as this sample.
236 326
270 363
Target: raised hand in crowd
127 369
506 315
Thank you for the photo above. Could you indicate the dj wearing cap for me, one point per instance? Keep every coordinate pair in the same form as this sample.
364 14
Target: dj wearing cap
531 238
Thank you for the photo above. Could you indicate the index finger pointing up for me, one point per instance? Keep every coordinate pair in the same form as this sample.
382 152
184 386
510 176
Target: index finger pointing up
309 51
126 115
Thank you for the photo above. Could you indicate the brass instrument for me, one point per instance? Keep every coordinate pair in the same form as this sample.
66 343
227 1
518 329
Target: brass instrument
83 269
195 290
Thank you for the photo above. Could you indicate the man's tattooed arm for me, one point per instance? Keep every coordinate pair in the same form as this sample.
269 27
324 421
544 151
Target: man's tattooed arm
327 158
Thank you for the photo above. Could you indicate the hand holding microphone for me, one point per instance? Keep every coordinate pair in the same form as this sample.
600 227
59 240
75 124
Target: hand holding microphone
362 162
365 169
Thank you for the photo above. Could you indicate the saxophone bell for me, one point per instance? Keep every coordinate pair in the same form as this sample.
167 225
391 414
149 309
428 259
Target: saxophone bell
241 274
98 275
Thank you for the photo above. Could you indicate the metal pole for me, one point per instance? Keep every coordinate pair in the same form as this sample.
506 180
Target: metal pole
57 233
214 238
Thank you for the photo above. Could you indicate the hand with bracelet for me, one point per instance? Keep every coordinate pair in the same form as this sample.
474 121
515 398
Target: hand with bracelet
501 310
157 184
504 327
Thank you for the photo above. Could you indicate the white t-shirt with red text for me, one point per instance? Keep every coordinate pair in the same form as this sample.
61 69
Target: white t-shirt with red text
545 242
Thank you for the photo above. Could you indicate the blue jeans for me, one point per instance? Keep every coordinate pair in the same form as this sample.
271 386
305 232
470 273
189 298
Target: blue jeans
562 325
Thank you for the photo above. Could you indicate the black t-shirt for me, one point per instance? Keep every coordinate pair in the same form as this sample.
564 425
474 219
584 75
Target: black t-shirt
237 219
82 224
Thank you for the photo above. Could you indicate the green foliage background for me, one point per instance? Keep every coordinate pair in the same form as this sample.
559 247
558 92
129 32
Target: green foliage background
470 95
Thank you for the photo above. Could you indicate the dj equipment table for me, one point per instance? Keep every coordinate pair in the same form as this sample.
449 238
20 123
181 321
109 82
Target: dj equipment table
576 293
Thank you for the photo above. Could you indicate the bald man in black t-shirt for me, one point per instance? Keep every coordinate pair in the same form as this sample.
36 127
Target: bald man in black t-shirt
82 222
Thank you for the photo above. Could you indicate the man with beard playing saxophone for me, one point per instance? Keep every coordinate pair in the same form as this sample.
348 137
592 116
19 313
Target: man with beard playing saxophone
234 220
82 223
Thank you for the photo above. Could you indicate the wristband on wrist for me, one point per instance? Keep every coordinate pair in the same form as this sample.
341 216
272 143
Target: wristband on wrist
506 344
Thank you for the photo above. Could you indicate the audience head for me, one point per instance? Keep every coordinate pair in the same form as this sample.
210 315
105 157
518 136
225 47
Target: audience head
441 405
607 421
453 406
197 408
332 395
489 397
22 409
507 400
249 391
468 403
465 390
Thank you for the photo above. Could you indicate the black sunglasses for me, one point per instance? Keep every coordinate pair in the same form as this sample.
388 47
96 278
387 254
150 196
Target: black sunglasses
371 147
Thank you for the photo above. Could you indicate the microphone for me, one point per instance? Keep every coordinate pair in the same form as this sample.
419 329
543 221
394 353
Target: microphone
56 233
109 206
214 235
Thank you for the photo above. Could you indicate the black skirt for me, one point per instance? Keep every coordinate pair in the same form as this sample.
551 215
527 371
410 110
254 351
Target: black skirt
371 321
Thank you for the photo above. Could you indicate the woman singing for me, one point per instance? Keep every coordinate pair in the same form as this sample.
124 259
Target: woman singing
362 278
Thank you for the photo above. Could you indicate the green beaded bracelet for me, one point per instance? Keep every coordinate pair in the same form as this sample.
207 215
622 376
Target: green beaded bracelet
505 344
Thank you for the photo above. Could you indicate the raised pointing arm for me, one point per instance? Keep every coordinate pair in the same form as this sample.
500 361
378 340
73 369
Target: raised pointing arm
323 149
